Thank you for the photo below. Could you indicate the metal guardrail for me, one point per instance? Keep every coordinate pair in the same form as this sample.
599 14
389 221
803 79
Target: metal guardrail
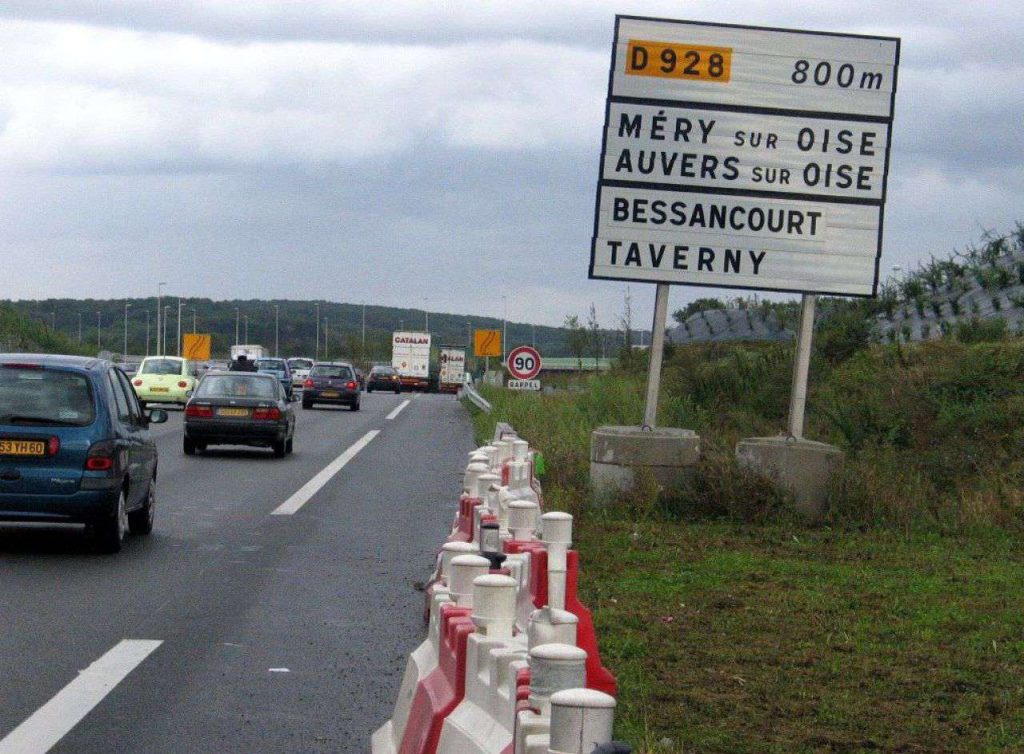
477 400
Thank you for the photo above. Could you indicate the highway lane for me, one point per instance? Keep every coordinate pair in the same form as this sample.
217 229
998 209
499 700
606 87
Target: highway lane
279 632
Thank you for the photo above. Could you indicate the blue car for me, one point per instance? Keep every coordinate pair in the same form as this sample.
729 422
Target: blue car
280 369
75 447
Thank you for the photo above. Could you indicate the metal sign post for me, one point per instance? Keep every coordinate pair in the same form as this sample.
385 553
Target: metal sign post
657 352
801 367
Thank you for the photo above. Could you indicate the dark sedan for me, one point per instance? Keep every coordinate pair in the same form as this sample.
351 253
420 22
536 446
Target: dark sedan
239 408
384 378
331 383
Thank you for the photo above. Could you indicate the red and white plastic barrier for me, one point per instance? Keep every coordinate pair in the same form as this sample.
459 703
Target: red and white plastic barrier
510 664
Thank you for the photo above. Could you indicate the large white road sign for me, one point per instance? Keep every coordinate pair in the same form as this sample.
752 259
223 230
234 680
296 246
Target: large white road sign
743 157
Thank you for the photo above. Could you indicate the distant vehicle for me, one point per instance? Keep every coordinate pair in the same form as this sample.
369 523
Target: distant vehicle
300 367
451 369
129 367
239 408
75 448
164 379
252 352
279 368
331 382
383 378
410 356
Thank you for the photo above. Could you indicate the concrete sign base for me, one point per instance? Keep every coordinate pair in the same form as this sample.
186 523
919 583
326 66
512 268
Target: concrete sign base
618 453
804 467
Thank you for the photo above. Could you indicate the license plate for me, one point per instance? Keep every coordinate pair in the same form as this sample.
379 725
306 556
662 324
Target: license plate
330 394
22 448
232 412
160 390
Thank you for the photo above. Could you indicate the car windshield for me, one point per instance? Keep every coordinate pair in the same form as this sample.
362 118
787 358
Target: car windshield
236 386
161 366
31 396
330 370
300 363
271 365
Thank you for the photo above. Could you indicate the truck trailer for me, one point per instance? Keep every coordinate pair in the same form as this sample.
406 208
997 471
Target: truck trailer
410 356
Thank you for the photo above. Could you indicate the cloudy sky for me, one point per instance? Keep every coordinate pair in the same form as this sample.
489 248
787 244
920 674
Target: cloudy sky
414 152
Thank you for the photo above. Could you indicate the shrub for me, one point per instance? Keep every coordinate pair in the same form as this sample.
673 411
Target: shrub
976 330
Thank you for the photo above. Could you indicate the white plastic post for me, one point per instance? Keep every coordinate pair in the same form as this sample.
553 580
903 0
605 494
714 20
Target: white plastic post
465 568
494 605
450 551
557 538
491 498
520 450
553 668
551 626
522 519
801 367
473 472
581 720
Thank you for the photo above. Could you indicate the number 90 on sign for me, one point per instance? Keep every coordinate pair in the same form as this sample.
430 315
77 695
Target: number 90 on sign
670 60
524 363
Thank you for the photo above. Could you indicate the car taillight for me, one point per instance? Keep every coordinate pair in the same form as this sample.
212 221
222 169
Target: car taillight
53 446
350 385
199 412
266 413
100 457
182 383
308 383
137 383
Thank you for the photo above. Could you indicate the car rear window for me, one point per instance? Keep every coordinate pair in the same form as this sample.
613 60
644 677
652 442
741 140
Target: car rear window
300 363
328 370
270 365
387 371
161 366
237 386
32 396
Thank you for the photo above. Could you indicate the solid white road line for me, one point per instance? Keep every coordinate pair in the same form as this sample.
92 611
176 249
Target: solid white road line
396 411
51 722
313 486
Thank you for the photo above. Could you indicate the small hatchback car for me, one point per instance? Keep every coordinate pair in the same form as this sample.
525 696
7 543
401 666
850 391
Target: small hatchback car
74 447
164 379
239 408
384 378
333 382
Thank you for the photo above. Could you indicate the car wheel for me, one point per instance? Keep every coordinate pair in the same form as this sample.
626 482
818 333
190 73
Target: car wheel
354 406
289 446
398 391
307 404
188 445
369 389
141 521
108 534
280 448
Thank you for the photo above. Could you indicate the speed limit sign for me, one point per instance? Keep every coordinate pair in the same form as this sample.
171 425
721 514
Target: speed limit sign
524 363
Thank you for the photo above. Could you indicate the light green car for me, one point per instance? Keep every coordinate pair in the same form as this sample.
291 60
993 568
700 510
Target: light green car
164 379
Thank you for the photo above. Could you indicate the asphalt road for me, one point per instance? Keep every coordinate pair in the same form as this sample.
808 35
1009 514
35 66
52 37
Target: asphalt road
278 633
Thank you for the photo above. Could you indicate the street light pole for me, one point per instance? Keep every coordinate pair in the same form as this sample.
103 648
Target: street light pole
147 332
163 338
504 327
327 340
317 305
193 320
124 355
245 318
236 325
159 303
364 328
426 316
179 326
277 329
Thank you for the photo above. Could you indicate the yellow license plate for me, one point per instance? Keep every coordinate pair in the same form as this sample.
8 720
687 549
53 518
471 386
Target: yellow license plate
160 390
670 60
232 412
22 448
330 394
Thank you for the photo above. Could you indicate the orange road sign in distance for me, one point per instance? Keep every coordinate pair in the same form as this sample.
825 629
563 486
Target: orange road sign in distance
196 346
487 342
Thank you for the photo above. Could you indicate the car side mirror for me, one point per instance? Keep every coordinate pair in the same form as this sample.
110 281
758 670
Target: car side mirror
156 416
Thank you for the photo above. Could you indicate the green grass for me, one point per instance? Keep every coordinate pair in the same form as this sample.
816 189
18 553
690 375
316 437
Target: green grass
896 625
